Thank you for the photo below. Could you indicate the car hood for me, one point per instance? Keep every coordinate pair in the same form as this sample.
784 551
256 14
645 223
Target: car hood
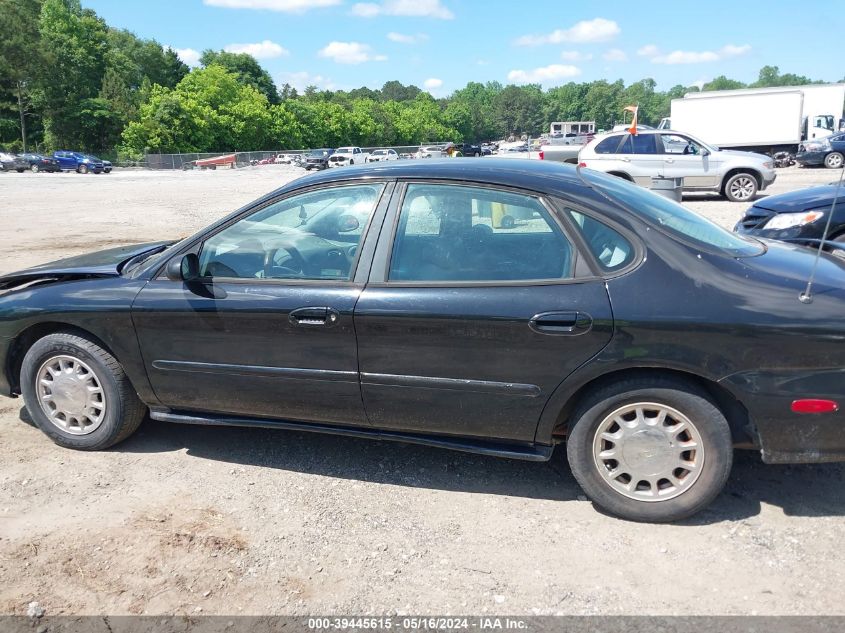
107 263
790 265
733 152
801 200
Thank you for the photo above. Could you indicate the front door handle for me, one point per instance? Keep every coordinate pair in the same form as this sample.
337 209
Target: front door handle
561 323
314 317
670 160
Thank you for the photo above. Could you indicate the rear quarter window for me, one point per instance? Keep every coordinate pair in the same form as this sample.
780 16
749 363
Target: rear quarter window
607 146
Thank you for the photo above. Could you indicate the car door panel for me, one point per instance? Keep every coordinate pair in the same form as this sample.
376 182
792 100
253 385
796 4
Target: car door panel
683 158
471 358
266 347
466 361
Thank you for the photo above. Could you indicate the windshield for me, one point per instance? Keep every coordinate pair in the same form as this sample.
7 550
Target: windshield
344 150
379 152
670 216
318 152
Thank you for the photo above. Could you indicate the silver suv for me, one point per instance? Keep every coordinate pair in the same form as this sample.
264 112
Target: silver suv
666 154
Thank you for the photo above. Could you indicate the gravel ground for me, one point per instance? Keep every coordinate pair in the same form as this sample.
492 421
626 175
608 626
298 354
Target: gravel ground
240 521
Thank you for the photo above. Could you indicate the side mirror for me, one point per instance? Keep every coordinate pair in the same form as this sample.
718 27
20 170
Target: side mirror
705 151
186 268
347 223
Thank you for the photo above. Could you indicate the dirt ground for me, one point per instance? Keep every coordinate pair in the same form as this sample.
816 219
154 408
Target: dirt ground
191 520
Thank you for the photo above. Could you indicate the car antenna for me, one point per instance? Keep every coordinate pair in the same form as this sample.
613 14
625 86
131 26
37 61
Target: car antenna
807 295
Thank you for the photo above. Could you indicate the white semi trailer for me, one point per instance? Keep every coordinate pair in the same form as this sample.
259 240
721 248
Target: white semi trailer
765 120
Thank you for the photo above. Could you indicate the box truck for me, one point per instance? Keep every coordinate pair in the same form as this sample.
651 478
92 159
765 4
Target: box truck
765 120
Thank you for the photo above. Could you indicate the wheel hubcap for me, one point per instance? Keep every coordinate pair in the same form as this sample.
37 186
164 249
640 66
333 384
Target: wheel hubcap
648 451
70 395
742 188
834 160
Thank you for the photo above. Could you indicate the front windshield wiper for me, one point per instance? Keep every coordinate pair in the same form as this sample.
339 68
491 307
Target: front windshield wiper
134 262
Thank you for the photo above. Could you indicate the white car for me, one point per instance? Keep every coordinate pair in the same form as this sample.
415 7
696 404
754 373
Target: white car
430 151
348 156
667 154
381 155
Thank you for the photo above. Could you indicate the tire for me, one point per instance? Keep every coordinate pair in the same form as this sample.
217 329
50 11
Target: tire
20 171
681 400
107 171
351 162
476 155
82 169
122 410
834 160
34 168
741 187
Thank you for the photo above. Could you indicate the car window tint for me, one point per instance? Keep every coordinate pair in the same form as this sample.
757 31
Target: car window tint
609 247
643 144
464 234
627 147
313 235
607 146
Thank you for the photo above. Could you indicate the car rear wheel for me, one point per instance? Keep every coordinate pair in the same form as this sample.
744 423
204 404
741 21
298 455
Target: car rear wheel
654 450
34 168
82 169
78 394
741 187
834 160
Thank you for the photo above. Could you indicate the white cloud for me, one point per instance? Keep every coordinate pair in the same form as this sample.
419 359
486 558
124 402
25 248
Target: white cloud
259 50
285 6
350 53
410 8
575 56
697 57
401 38
545 75
432 83
187 55
615 55
649 50
301 80
595 30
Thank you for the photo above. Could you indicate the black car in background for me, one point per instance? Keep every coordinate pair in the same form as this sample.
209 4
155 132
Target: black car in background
318 158
12 162
798 216
392 301
829 151
37 163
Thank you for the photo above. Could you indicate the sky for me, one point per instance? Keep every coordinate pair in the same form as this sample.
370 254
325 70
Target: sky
440 45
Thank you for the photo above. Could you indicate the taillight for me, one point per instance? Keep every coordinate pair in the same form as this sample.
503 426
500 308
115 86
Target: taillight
542 155
582 164
814 405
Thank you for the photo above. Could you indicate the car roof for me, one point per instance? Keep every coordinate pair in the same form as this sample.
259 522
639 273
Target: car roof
535 175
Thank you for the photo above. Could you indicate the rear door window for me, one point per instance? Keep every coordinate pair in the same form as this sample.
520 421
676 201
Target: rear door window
608 145
452 233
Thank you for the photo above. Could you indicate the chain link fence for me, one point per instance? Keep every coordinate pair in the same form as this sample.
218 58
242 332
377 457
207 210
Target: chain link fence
242 159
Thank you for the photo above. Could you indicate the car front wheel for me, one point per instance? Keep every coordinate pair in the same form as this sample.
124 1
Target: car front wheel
652 450
741 187
82 169
34 168
78 394
834 160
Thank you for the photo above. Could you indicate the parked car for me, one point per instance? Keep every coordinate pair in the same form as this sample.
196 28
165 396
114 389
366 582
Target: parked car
318 158
829 151
383 155
430 151
799 216
38 162
348 156
107 166
468 149
353 304
663 153
13 162
79 162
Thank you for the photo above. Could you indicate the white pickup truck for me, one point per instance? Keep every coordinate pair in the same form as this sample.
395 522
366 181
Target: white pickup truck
348 156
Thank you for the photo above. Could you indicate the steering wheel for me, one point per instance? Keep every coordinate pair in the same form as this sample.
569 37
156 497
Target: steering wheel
297 260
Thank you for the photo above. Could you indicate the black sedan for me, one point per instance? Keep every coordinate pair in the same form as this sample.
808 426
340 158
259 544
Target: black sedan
800 217
37 163
12 162
490 306
829 151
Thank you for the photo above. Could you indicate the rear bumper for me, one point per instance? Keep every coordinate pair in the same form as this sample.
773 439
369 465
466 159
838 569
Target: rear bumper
811 158
788 437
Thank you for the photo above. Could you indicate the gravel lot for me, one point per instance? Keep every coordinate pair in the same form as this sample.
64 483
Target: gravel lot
240 521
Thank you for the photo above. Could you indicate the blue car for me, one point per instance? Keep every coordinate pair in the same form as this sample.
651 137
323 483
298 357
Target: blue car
79 162
828 151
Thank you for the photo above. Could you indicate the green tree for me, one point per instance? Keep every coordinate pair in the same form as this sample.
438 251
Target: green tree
75 48
21 61
397 91
723 83
247 70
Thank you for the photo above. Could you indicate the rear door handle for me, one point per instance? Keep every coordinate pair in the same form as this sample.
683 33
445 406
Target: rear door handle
314 317
561 323
625 160
670 160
